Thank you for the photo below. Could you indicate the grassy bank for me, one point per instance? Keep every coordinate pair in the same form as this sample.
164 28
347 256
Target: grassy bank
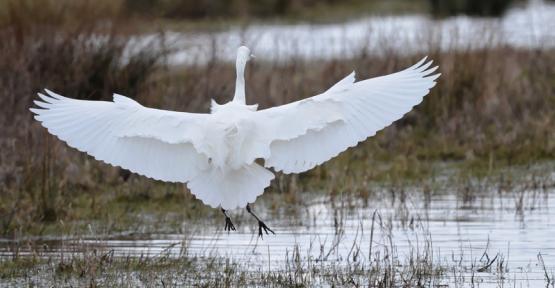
493 108
487 127
102 269
377 256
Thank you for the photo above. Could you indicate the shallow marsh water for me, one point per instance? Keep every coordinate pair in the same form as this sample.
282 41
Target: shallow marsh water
492 238
528 25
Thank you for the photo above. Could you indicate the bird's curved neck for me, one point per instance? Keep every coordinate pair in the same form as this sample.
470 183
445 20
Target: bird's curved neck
240 82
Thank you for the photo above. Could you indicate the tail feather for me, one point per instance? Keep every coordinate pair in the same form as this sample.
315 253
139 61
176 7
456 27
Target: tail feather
230 189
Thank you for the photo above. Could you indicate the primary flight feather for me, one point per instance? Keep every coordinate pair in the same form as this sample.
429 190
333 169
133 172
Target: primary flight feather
215 153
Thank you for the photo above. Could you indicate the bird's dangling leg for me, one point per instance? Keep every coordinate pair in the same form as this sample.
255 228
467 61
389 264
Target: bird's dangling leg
228 224
261 225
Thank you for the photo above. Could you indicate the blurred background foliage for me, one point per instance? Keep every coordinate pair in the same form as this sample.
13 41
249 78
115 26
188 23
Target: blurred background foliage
469 7
324 10
493 106
281 8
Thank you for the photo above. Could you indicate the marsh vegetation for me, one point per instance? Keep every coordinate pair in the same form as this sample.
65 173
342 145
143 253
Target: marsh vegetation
475 160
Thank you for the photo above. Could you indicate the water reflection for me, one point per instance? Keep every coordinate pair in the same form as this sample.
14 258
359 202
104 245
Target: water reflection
449 231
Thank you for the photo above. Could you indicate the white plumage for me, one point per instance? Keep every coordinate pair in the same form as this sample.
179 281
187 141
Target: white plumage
215 153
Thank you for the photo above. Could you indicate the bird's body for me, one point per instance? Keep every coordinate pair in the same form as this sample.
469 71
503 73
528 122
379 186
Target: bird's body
216 153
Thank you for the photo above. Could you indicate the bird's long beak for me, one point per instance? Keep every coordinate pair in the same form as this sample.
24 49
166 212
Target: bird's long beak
252 56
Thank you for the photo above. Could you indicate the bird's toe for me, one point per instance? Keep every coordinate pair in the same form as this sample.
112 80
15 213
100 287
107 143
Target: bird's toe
263 227
229 225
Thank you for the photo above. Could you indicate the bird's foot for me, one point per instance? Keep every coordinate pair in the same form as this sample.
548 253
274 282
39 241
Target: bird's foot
262 227
229 225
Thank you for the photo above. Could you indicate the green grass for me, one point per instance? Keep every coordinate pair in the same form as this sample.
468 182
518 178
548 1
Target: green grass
145 205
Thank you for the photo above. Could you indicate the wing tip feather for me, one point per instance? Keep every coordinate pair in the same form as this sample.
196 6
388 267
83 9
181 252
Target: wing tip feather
41 104
430 71
53 94
36 111
433 77
46 98
419 63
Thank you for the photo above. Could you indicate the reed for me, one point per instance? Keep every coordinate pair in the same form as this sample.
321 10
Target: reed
492 108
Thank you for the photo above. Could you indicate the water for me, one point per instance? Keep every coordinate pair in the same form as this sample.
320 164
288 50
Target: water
460 235
527 26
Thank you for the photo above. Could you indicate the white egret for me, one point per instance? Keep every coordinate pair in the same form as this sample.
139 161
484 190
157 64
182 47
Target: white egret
214 154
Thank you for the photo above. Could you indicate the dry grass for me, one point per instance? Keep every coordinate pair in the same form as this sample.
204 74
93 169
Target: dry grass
376 261
492 108
41 50
93 266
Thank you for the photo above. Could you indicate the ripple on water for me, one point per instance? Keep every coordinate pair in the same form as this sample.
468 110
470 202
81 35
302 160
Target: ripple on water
457 234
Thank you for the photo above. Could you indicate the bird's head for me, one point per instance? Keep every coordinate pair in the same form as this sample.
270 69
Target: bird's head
244 55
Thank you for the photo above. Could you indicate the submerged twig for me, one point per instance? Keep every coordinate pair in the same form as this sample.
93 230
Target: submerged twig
486 267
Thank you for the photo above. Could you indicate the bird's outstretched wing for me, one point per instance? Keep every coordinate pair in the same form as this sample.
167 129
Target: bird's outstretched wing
308 132
155 143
